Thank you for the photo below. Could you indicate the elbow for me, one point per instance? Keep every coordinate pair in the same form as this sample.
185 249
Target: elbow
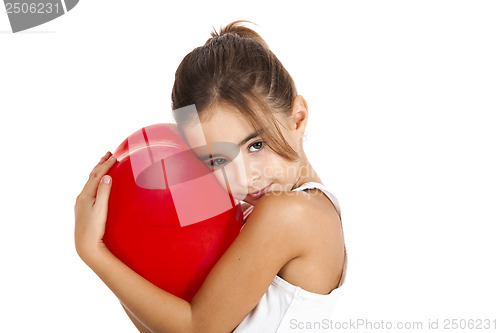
180 322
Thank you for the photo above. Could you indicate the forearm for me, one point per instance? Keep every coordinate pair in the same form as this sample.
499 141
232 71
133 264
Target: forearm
159 310
140 326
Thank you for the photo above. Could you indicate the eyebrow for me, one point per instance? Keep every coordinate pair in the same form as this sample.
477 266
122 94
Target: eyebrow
249 137
242 142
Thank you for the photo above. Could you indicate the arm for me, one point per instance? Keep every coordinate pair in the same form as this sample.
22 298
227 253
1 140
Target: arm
137 323
272 237
233 287
274 234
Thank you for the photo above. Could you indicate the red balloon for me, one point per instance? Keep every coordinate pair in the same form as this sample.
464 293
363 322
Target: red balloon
169 219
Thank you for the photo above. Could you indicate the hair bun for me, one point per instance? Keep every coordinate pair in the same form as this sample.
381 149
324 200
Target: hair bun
237 28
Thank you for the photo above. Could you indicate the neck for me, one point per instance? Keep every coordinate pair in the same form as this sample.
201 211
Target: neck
306 174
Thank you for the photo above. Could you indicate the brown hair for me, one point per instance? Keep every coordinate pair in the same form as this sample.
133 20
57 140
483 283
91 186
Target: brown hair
236 67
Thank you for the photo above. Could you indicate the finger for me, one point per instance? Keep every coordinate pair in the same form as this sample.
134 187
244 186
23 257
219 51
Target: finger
101 200
96 171
103 159
92 174
90 189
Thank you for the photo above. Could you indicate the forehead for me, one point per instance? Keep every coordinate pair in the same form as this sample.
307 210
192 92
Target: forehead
226 124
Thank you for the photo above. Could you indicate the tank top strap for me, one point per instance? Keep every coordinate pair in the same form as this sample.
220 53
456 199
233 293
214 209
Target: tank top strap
312 185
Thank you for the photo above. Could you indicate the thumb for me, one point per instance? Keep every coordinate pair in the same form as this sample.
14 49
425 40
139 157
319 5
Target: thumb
101 200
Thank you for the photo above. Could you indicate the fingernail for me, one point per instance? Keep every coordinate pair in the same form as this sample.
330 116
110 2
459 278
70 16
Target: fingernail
106 179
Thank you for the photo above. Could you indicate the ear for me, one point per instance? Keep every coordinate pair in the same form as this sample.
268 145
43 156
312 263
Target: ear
300 113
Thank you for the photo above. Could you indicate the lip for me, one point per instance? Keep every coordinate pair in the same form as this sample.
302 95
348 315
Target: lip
258 194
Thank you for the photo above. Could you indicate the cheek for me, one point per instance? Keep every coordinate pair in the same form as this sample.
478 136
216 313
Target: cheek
278 168
272 166
234 175
262 164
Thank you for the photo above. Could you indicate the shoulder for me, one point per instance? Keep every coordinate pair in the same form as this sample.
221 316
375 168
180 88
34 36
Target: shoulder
290 206
282 206
291 217
275 234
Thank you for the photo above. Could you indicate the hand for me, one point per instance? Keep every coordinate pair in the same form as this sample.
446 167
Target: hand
91 210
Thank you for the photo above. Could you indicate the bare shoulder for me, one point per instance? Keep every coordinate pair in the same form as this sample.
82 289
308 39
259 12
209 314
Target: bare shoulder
281 205
280 209
275 236
297 203
309 223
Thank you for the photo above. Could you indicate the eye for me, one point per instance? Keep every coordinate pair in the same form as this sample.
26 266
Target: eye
216 162
257 145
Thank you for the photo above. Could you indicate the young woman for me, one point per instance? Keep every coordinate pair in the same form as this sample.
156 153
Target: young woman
285 268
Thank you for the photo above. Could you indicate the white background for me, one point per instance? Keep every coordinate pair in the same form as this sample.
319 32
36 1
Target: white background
403 128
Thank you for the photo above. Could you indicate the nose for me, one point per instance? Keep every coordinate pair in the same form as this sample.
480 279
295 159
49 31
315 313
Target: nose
242 174
253 170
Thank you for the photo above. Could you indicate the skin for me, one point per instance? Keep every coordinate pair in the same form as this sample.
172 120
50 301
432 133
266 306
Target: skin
256 165
296 235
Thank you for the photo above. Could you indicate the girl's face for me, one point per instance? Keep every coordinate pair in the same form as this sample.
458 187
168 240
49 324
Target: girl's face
238 157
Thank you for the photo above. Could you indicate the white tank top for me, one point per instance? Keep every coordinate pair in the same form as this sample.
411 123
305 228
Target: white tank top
287 308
